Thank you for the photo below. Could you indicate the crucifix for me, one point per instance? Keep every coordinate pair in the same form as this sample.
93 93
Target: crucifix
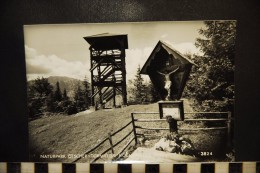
168 82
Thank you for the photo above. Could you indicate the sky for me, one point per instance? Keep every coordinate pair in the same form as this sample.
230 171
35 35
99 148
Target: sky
60 50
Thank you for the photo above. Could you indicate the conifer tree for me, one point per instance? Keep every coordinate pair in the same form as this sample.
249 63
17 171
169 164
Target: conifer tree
86 92
64 95
79 98
68 106
212 81
57 93
139 87
153 92
41 86
39 90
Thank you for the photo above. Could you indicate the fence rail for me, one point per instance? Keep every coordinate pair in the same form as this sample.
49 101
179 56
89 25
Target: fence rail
123 149
228 120
122 128
128 134
206 112
184 112
163 120
92 149
111 148
197 129
146 128
220 119
149 120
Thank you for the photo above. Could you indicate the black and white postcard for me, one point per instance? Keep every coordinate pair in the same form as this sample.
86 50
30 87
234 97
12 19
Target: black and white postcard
131 92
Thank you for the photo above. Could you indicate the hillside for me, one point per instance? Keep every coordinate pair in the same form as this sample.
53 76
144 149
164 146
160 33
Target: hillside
66 82
75 134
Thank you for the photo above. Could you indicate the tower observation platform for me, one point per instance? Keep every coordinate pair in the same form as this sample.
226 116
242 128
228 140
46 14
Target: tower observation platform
107 68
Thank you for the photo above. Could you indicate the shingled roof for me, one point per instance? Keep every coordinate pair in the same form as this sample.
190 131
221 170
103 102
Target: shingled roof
170 50
107 41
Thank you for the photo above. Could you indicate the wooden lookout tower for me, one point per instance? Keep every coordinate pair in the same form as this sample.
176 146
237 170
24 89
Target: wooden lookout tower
107 67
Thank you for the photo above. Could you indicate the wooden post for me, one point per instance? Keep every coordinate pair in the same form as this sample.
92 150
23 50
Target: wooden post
110 142
124 93
91 76
114 88
133 122
229 130
100 88
172 124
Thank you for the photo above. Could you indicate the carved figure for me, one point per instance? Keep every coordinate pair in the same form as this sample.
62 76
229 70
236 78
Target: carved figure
168 82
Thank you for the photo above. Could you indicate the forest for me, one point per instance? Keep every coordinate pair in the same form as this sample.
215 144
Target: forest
45 99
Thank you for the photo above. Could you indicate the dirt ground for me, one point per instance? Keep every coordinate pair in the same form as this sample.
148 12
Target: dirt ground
64 136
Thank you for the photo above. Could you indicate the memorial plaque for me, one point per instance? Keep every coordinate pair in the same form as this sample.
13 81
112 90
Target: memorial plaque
172 108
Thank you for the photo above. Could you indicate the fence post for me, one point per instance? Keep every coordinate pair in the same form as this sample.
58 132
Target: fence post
133 122
229 130
110 141
172 124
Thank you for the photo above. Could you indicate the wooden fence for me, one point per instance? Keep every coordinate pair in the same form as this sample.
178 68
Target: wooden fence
228 120
109 138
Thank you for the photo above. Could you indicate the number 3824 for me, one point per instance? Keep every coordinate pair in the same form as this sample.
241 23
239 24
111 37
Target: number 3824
206 153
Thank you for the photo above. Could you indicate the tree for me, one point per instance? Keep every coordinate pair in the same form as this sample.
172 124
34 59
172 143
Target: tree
68 106
86 92
153 92
139 88
212 81
55 100
57 93
41 86
64 95
79 99
50 103
38 91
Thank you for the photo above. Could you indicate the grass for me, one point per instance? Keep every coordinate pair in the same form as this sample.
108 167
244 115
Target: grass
76 134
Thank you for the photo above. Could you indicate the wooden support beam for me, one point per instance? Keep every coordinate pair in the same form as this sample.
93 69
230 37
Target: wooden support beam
96 65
